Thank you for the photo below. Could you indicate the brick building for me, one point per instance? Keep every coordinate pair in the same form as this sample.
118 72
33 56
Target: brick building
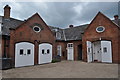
32 41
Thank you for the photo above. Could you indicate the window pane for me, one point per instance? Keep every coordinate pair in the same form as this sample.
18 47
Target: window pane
36 29
71 45
88 49
105 49
68 45
43 51
21 51
48 51
28 51
58 35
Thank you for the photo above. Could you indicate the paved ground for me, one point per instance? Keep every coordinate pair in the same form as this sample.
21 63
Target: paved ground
65 69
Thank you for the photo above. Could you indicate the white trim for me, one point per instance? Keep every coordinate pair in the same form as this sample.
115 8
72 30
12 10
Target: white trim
59 50
24 60
58 35
89 51
45 57
101 27
37 27
70 52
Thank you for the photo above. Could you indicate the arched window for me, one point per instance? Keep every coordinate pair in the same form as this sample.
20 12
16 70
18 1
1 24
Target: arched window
36 29
100 29
58 35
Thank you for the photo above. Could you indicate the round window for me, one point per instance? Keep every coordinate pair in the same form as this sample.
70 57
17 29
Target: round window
36 29
100 29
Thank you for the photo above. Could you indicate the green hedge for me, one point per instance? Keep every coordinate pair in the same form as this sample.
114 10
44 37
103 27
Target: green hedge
54 61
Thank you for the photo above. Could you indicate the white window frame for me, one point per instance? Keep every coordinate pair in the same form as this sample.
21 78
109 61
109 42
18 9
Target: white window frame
59 50
99 27
58 35
71 45
37 27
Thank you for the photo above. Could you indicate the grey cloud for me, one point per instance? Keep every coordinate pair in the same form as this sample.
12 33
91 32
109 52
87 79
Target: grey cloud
61 14
90 10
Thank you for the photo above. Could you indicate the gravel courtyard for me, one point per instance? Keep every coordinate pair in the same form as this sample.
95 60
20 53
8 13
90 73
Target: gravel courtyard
64 69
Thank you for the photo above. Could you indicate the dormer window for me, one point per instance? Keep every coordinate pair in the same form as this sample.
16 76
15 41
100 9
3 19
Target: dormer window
58 35
36 29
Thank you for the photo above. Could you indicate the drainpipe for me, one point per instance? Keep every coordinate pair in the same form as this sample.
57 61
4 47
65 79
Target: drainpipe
4 56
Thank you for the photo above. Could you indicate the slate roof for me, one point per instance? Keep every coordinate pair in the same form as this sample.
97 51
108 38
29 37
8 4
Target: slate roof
9 23
67 34
116 22
75 33
58 30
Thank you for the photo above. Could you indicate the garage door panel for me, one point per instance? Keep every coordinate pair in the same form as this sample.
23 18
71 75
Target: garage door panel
106 51
45 53
24 54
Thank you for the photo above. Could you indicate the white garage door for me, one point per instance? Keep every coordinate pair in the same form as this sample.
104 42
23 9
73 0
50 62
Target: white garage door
89 51
24 54
45 53
106 51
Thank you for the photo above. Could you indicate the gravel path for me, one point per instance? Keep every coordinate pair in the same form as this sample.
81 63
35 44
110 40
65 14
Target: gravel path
65 69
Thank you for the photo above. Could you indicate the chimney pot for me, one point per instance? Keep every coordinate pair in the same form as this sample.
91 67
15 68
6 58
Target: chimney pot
70 26
116 17
7 12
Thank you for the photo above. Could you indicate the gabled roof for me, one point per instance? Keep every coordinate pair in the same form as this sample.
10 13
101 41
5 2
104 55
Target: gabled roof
117 22
75 33
68 34
9 23
15 24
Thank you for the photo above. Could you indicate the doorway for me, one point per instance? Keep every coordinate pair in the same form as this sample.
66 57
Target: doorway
97 55
70 55
100 51
80 52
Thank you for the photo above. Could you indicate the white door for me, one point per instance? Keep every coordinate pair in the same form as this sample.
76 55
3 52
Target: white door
24 54
45 53
106 51
70 55
89 51
97 51
59 50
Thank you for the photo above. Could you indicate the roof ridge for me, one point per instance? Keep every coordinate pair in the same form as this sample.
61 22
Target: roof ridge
77 26
15 19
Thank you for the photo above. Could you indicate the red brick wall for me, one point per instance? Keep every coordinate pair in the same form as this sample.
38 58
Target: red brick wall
110 33
119 46
26 33
64 48
64 51
2 46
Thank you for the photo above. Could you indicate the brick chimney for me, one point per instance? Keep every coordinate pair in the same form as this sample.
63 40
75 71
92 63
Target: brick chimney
7 12
70 26
116 17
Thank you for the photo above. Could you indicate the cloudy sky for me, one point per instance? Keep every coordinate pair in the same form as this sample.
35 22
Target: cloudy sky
61 14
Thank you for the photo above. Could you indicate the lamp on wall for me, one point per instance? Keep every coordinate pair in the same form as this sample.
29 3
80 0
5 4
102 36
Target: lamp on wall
37 41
